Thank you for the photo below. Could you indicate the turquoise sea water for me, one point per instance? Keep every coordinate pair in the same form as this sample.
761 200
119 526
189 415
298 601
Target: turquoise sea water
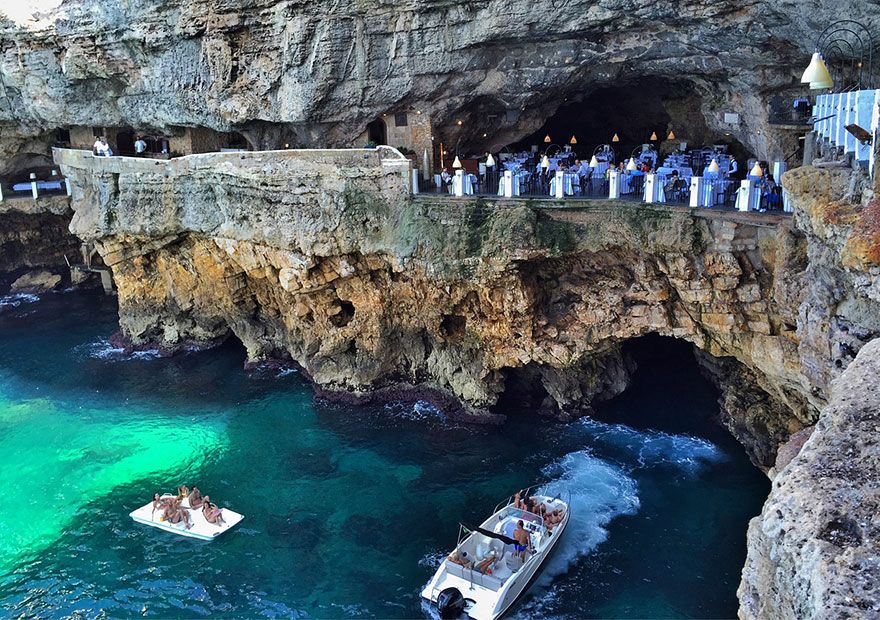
348 509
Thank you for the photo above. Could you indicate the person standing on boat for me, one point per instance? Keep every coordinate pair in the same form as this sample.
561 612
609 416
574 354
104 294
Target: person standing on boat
522 538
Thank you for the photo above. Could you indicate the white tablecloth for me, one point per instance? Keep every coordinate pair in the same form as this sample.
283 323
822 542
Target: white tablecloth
568 184
661 192
515 181
600 169
467 182
754 203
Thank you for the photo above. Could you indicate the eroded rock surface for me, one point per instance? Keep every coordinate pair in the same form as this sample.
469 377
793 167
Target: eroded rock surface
34 237
328 263
316 74
814 552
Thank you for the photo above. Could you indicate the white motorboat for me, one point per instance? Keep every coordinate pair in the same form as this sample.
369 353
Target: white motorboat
506 574
201 528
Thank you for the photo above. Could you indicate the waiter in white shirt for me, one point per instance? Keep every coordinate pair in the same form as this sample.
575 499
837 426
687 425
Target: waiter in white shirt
734 167
140 147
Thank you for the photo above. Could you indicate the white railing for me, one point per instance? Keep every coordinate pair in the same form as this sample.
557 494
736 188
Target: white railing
837 110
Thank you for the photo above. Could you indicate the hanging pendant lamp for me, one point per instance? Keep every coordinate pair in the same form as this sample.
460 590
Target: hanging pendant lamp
457 163
616 138
816 74
594 163
653 136
713 166
547 139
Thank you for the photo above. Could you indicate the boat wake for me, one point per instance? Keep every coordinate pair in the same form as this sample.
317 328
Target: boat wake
600 491
654 448
103 350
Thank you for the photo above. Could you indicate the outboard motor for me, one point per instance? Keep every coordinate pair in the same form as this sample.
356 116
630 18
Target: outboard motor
450 603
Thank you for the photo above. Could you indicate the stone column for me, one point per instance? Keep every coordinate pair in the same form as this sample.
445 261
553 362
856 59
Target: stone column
810 148
560 184
508 184
458 183
747 194
614 185
652 188
415 180
34 185
697 192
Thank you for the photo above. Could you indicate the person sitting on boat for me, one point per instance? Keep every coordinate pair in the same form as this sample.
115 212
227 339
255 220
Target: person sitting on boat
522 538
210 511
518 502
175 513
160 502
182 492
195 498
460 558
553 518
485 565
536 506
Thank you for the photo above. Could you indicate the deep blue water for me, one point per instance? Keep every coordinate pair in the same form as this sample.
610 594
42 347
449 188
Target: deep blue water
348 509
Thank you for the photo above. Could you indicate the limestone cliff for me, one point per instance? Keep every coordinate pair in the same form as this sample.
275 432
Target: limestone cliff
315 74
814 552
323 259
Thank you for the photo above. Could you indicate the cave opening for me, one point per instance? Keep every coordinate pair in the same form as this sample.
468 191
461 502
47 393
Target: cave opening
524 391
635 111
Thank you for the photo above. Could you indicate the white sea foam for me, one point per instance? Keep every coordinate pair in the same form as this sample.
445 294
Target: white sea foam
655 448
17 299
283 372
103 350
599 492
419 410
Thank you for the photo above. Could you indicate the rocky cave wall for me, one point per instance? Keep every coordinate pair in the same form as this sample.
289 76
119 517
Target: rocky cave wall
316 74
329 264
34 241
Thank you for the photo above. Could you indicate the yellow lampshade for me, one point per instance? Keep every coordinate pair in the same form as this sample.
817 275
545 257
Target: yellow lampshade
547 138
573 140
713 166
817 73
616 138
631 165
671 135
490 161
457 163
756 170
594 163
545 162
653 135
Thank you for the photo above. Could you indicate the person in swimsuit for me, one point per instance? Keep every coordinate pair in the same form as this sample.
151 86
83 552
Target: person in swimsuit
456 557
159 502
522 538
195 498
517 501
553 518
182 492
210 511
175 513
485 565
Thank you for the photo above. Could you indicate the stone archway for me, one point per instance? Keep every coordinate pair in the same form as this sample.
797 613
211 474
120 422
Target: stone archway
377 132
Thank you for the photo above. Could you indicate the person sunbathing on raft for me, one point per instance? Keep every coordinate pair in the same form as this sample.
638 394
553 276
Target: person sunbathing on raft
210 511
195 498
